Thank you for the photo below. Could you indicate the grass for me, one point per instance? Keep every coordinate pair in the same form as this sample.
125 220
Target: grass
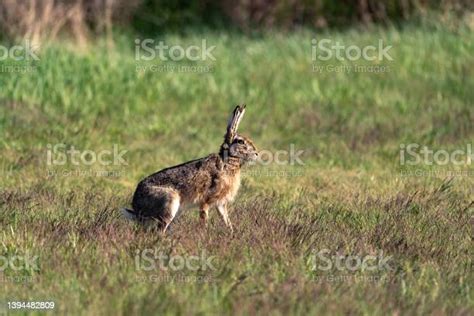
351 196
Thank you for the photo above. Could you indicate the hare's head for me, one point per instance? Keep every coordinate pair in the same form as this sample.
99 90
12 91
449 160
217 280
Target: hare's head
236 145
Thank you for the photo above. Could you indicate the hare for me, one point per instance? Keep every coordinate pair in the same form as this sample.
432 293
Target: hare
212 181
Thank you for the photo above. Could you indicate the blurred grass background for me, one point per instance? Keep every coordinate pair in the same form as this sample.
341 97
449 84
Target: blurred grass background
350 196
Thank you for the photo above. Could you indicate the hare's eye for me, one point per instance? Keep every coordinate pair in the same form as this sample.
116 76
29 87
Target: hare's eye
240 141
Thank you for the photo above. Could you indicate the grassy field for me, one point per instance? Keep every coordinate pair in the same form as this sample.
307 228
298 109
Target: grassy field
349 196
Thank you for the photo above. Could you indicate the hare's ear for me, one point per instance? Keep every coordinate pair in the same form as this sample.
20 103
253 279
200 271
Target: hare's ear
234 122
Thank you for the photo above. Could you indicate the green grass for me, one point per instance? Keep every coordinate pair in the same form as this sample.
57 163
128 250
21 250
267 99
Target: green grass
349 197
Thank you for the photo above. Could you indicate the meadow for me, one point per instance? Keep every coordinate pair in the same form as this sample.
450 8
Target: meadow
348 193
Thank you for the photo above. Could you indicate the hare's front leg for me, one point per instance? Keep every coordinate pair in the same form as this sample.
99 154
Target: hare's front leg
204 214
222 208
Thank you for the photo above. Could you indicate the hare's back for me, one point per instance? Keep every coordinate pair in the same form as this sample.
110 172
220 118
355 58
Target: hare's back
199 170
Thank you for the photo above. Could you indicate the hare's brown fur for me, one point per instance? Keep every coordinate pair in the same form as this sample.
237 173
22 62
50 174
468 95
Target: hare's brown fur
210 181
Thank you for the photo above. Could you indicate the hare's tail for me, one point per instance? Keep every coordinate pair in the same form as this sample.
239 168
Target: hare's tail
130 214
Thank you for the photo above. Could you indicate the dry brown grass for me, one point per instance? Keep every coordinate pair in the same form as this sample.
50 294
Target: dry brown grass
425 228
46 19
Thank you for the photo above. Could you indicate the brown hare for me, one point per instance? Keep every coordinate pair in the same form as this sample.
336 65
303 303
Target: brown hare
207 182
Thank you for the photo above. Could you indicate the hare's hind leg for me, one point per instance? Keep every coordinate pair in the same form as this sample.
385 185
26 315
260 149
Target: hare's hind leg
161 204
170 209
